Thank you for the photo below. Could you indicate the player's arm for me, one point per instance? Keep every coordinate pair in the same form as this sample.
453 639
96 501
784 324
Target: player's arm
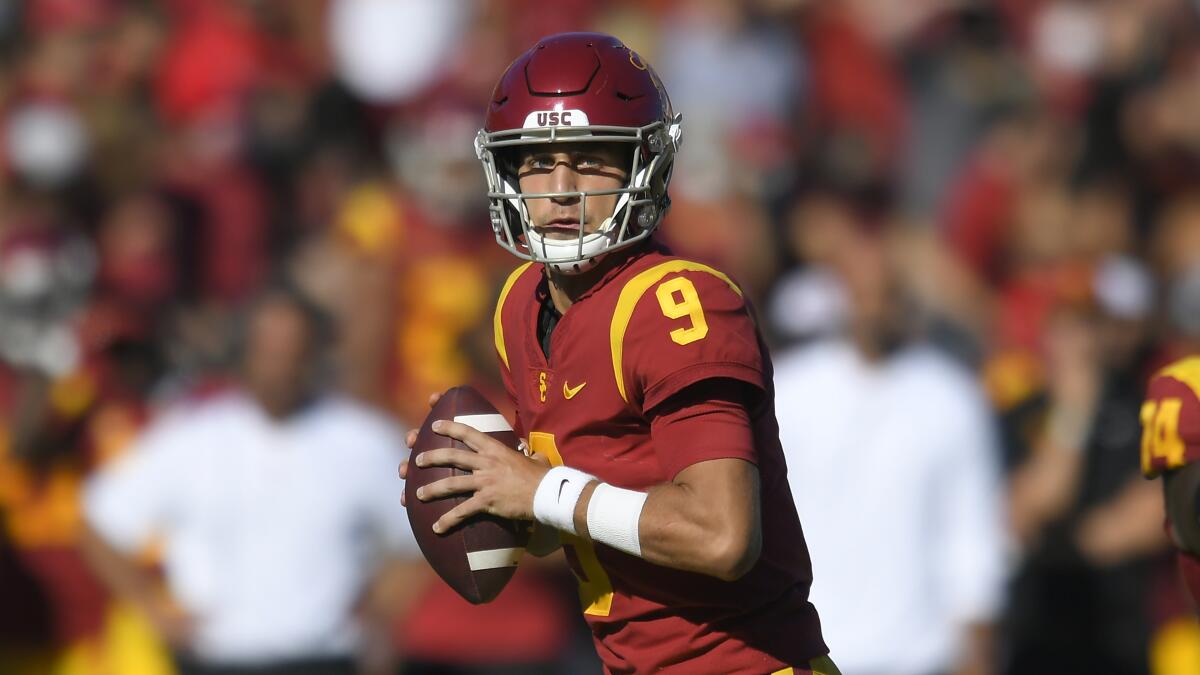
123 505
126 578
1171 448
706 518
705 521
691 363
1181 490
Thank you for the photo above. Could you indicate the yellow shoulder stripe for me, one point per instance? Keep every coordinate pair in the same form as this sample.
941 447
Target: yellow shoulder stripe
497 320
633 291
1186 371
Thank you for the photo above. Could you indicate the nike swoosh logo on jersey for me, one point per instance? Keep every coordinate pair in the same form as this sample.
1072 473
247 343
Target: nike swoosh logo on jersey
569 392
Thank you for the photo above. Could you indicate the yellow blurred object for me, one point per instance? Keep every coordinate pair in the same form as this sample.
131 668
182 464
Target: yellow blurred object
1175 648
73 394
444 297
131 646
41 511
1011 377
1186 371
370 219
128 646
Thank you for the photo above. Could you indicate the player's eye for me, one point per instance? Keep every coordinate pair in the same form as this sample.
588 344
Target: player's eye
589 162
539 162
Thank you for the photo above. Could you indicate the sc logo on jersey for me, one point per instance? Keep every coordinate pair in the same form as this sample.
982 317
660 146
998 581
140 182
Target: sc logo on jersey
556 118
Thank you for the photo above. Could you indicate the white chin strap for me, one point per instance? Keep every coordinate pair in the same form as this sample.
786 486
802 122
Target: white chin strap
563 255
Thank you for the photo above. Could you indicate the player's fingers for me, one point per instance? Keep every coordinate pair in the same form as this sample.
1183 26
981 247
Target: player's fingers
445 487
403 470
410 439
434 398
455 516
403 499
463 459
477 440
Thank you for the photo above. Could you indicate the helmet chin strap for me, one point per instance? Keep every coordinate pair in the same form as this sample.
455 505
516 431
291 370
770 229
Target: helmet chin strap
594 249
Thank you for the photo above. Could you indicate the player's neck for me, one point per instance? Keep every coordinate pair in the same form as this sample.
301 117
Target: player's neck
876 343
566 289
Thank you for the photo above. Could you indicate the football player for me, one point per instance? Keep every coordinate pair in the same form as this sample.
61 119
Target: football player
640 381
1170 447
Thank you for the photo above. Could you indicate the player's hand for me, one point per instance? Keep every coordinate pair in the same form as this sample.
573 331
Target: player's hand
410 439
501 483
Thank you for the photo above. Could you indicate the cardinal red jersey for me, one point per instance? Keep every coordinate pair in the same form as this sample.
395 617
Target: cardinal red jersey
1171 418
1171 436
651 327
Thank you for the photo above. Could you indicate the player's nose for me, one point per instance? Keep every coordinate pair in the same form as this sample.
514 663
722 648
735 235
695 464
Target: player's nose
564 179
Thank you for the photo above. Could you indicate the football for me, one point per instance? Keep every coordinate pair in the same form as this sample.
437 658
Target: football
478 557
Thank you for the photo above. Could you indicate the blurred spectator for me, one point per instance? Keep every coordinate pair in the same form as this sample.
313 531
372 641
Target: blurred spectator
894 467
1090 528
276 503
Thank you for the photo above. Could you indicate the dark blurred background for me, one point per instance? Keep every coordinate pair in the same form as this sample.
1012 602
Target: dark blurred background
1035 165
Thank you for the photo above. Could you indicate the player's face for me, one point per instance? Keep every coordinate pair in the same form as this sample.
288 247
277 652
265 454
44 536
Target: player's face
278 355
572 167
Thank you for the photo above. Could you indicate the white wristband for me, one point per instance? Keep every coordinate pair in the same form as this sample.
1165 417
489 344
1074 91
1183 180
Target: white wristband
613 517
556 496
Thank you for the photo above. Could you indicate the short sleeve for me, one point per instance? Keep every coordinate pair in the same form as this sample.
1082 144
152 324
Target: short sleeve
382 489
131 499
686 327
707 421
970 546
1171 418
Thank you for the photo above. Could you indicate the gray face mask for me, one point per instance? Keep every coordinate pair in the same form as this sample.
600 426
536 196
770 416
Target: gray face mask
641 203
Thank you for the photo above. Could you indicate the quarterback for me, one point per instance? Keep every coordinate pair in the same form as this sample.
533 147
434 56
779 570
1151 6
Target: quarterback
1171 447
641 385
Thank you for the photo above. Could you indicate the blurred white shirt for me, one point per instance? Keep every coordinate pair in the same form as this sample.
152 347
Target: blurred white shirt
270 530
895 473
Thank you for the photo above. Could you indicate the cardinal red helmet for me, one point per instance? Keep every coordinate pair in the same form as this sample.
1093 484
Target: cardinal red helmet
579 87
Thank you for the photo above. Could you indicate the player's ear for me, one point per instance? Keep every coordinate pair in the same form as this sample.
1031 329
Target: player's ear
509 161
1181 491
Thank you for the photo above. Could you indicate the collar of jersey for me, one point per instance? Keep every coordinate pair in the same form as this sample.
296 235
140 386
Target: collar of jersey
627 256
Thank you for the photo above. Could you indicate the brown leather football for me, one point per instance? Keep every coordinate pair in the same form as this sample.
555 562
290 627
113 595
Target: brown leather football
478 557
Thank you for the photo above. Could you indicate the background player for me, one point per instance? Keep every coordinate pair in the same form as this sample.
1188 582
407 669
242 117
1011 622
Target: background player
1171 446
667 479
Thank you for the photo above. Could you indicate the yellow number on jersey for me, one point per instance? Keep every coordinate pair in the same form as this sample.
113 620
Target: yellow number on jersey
1160 433
595 590
688 304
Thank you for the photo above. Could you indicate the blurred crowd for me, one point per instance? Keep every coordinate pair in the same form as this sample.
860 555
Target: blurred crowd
1029 170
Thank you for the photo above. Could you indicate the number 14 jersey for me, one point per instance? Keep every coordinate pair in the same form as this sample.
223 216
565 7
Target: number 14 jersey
651 327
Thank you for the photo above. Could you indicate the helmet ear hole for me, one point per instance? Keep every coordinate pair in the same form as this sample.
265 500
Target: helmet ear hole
646 216
508 163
